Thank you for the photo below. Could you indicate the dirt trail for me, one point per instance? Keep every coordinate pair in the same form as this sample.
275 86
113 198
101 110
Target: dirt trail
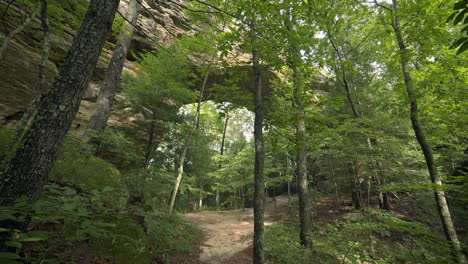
228 234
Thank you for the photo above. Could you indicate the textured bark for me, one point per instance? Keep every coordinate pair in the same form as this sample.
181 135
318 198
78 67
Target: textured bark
259 187
15 32
105 99
356 187
301 162
301 170
305 218
150 143
426 148
28 170
180 171
222 153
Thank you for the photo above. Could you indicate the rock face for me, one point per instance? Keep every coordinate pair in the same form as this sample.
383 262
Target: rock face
160 21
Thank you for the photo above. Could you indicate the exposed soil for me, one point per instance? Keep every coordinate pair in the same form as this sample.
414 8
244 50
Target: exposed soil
228 234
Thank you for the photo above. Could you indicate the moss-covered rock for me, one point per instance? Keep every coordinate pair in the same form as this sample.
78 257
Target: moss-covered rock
129 245
76 165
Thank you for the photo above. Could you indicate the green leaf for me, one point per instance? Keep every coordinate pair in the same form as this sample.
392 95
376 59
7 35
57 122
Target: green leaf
13 244
459 17
8 217
463 47
458 42
451 17
8 261
8 255
4 230
31 239
459 5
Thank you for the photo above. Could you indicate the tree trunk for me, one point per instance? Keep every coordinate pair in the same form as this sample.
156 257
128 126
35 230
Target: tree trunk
259 187
222 153
31 110
344 79
441 201
356 187
200 197
195 125
301 143
29 168
109 89
149 145
15 32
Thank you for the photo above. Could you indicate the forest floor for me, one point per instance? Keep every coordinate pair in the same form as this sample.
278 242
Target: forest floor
227 235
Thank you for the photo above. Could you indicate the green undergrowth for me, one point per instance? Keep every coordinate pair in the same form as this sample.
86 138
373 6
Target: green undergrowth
64 219
369 236
86 207
76 164
129 245
172 239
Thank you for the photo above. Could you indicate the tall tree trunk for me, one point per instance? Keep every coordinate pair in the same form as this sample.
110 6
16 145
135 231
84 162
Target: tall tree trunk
344 78
195 125
29 168
150 143
301 163
222 153
356 192
15 32
31 110
426 148
301 142
259 187
109 88
200 197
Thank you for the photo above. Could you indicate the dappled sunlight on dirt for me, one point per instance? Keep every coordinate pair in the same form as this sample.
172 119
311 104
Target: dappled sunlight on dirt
228 234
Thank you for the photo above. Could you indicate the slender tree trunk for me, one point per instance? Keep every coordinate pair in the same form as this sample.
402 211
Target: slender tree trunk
200 197
426 148
301 144
15 32
29 168
343 79
195 125
222 153
31 110
356 188
259 187
150 144
105 99
301 163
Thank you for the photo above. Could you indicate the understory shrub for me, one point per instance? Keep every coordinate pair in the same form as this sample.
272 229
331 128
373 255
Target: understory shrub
172 239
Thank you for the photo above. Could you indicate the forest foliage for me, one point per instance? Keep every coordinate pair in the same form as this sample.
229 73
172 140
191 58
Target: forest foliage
339 68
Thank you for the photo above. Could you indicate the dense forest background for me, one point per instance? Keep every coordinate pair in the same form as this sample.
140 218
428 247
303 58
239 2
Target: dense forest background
336 131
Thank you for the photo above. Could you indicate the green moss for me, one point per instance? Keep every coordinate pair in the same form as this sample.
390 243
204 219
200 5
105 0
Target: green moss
76 165
129 245
5 135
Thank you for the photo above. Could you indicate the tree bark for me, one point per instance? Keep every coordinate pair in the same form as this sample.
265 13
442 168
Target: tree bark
195 125
222 153
259 187
25 121
15 32
149 145
105 99
29 168
426 148
301 143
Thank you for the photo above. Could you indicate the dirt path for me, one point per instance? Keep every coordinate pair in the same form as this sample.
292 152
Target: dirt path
228 234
